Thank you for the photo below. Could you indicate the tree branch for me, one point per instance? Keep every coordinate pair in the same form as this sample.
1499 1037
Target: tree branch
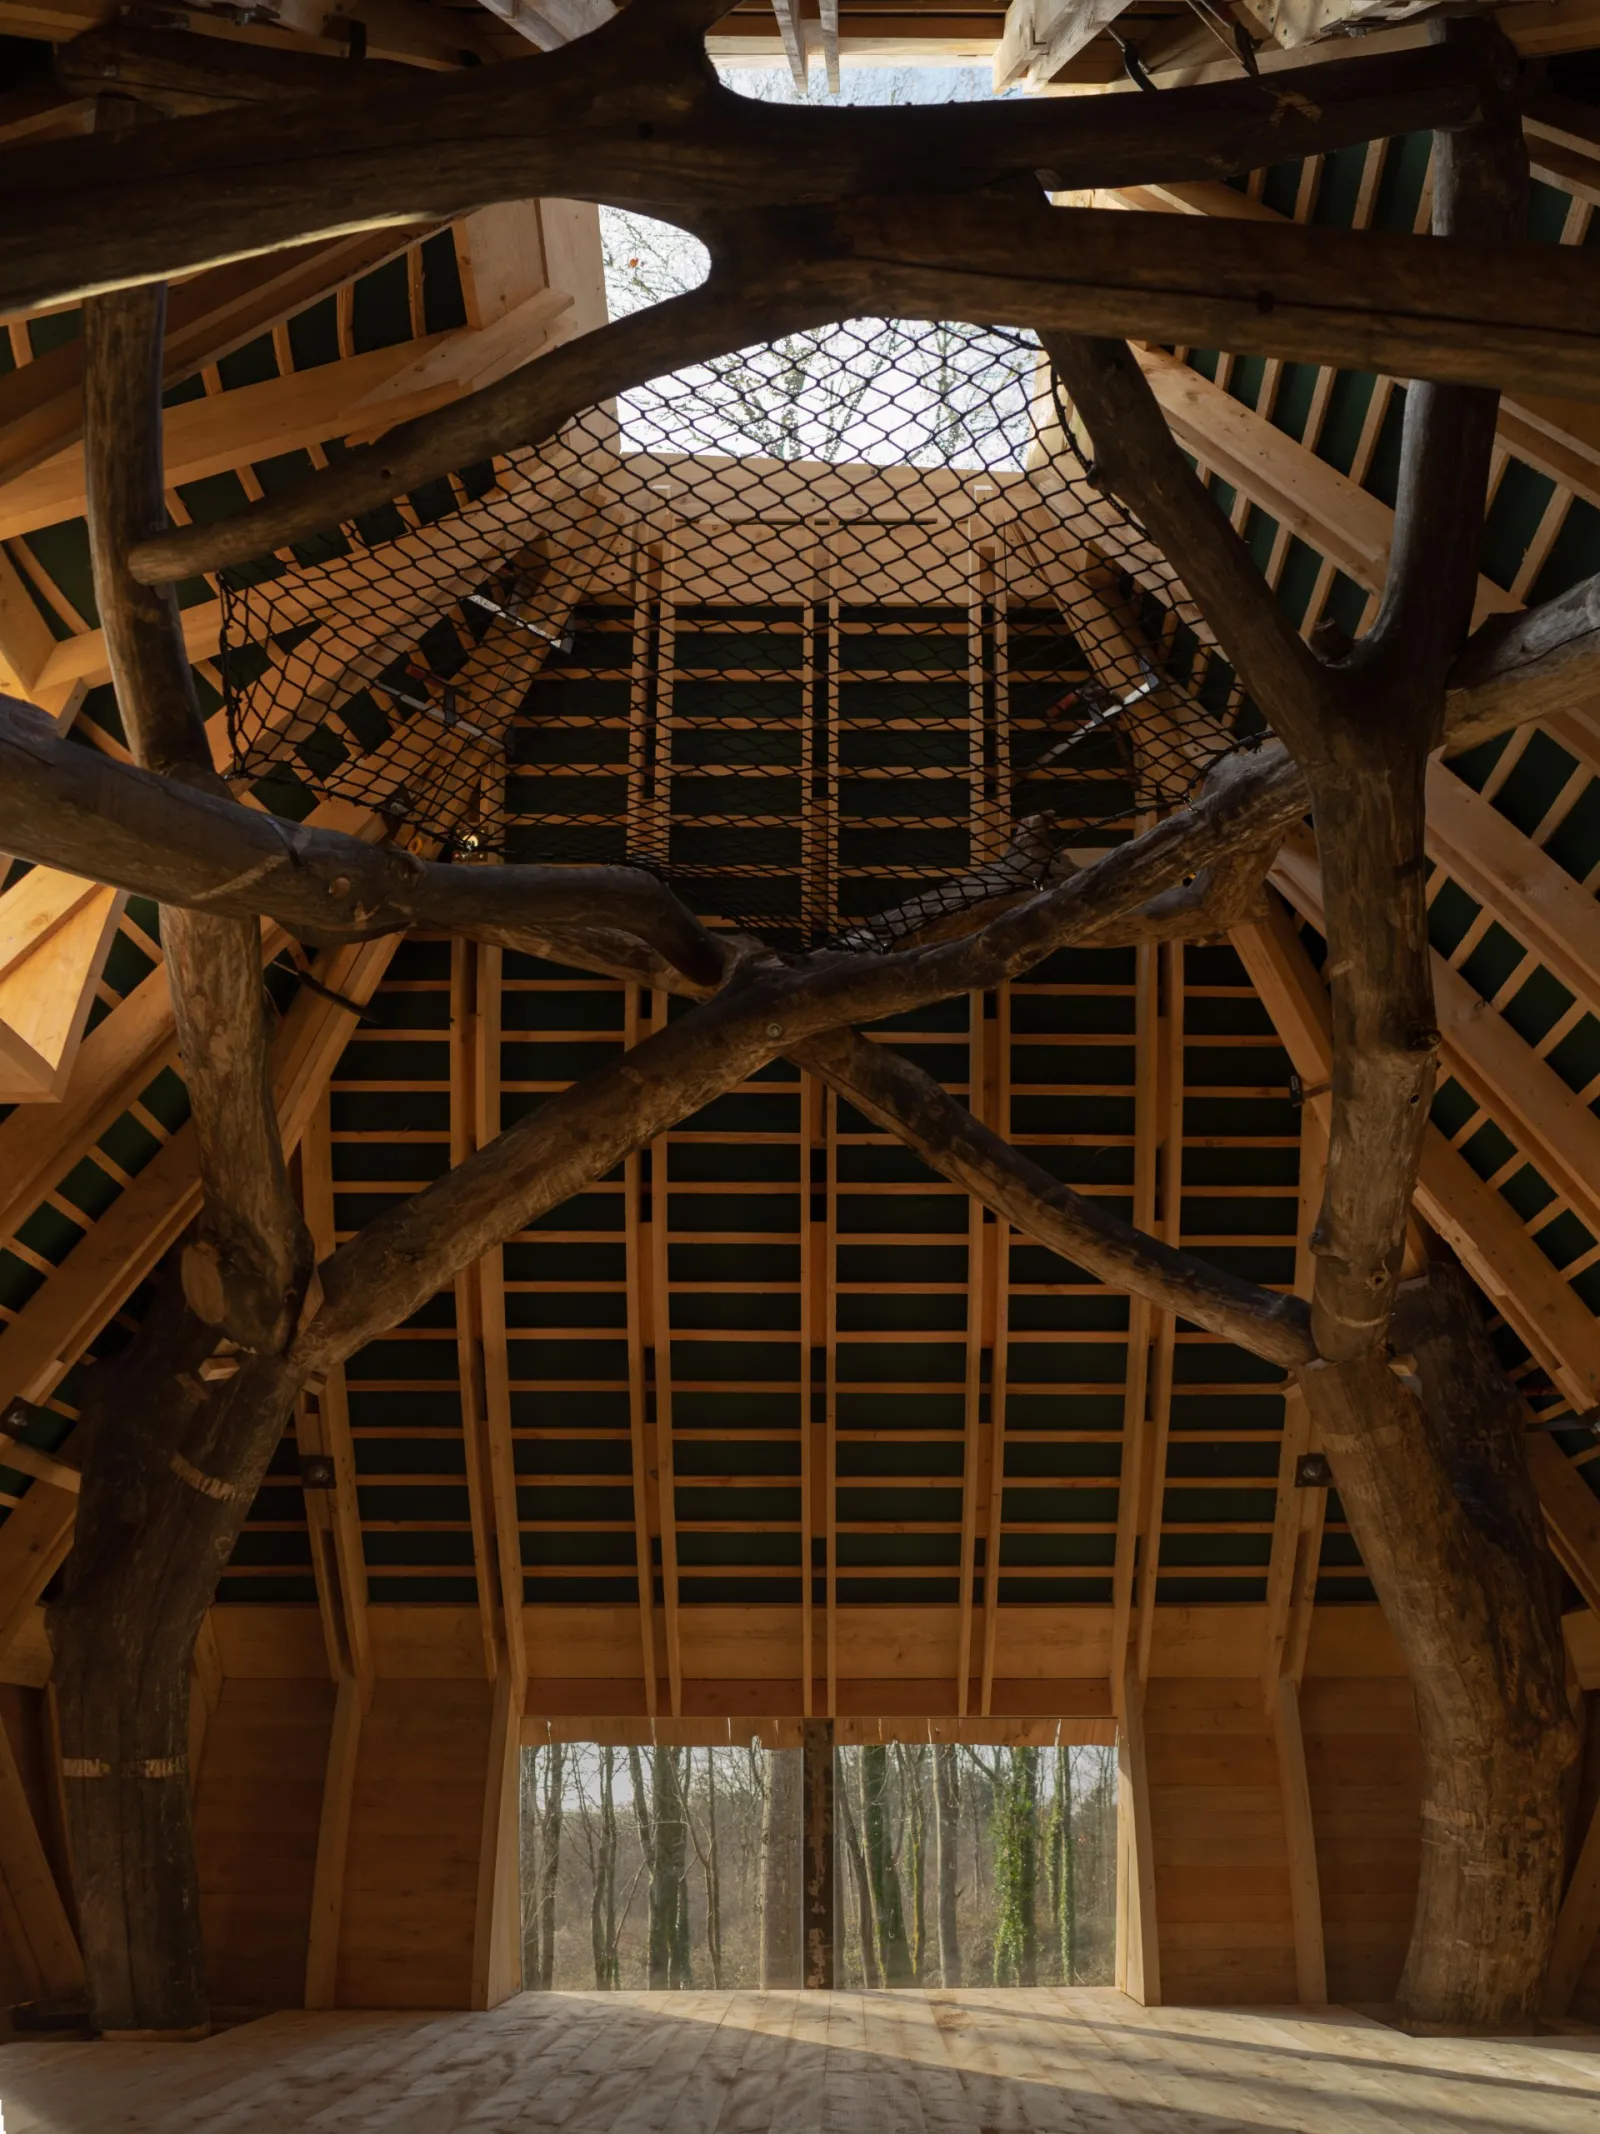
1412 306
1368 770
65 805
634 114
1139 460
247 1266
1480 197
890 1089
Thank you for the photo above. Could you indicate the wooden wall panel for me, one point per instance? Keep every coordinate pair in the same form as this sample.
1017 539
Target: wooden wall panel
1221 1857
1363 1763
256 1810
416 1823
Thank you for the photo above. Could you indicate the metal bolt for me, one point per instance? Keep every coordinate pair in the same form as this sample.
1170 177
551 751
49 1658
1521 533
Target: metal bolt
339 886
774 1029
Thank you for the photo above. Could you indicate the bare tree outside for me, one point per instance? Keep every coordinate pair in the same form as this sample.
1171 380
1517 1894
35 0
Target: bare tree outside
680 1868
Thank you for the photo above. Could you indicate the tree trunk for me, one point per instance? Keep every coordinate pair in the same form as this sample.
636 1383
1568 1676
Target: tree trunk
713 1875
871 1974
909 1762
603 1902
947 1835
888 1909
780 1870
1440 1504
550 1815
1016 1949
1064 1870
150 1544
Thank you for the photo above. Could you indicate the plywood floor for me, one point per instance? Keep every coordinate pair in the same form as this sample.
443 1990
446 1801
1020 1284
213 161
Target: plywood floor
1044 2062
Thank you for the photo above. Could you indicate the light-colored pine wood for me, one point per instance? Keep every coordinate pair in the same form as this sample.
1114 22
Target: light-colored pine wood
974 2061
333 1836
55 933
1305 1892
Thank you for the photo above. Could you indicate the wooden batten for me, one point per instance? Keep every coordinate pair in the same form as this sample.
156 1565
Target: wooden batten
55 933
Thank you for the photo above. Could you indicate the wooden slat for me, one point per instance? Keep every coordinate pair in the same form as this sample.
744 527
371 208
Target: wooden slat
333 1837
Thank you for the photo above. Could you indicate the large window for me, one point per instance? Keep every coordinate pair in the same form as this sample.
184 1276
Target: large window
681 1867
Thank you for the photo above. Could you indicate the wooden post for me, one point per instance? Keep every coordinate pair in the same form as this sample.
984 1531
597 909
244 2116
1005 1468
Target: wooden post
817 1751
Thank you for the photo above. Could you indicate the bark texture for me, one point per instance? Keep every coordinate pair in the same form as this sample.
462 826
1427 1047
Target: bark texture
1429 307
634 114
1439 1501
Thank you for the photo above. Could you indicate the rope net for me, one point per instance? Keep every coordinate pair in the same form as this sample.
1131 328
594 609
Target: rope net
837 635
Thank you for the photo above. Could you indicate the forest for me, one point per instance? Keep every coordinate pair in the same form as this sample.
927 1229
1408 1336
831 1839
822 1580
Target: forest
680 1868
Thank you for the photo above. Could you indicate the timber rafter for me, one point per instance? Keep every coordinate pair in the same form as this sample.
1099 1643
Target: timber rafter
270 1330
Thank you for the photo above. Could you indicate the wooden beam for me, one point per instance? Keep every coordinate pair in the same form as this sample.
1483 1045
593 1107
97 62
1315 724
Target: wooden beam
31 1886
1040 37
55 933
1578 1923
1533 897
333 1515
1138 1959
1300 1836
353 398
41 403
497 1914
1341 520
1134 1484
26 639
637 1273
817 1877
100 218
351 1699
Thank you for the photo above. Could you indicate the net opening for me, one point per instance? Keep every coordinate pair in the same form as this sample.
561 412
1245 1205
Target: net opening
837 635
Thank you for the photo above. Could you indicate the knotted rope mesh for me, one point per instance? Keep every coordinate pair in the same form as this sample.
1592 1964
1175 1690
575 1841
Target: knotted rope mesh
837 635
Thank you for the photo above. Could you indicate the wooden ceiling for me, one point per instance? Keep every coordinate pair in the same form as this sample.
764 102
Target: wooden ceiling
774 1403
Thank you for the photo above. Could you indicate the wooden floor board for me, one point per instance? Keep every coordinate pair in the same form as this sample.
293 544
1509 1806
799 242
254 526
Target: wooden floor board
970 2061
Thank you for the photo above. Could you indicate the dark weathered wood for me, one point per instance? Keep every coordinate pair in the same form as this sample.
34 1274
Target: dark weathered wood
121 1700
634 114
1532 665
188 847
248 1265
1415 306
1367 766
889 1088
1440 1504
122 340
171 1465
817 1877
183 74
172 1457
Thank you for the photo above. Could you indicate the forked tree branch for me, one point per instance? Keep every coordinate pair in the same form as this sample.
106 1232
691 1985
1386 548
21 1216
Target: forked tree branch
1410 306
247 1266
67 806
634 114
